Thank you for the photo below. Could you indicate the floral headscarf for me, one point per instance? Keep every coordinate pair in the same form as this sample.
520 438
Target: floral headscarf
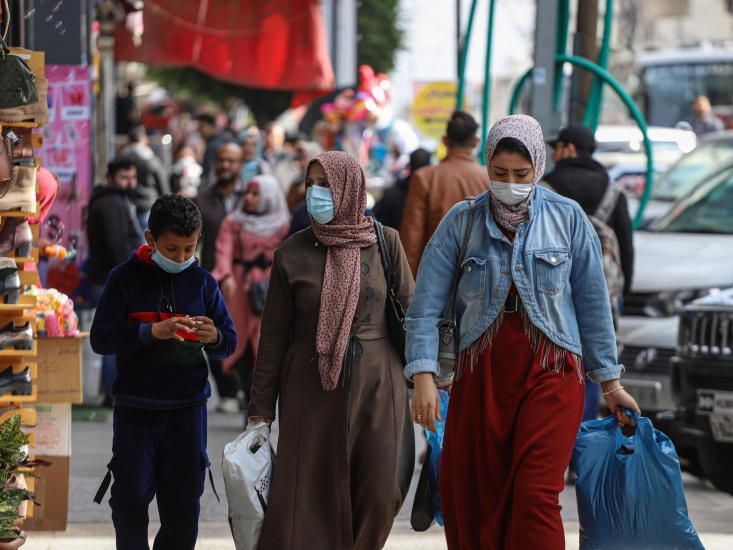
272 213
345 235
527 130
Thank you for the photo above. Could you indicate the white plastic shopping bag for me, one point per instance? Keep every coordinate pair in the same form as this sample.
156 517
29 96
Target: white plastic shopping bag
247 467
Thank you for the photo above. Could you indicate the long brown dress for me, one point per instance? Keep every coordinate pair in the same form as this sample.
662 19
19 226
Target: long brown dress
345 457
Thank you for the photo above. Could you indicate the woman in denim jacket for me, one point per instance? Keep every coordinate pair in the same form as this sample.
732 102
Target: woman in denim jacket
532 300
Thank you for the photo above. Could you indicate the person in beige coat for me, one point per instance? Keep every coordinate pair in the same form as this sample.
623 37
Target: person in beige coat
435 189
346 448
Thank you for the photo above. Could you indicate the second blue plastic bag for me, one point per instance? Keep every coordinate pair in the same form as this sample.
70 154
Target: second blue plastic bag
435 440
629 491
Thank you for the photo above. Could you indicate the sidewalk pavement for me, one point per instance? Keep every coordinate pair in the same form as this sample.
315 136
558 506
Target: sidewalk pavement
215 536
90 525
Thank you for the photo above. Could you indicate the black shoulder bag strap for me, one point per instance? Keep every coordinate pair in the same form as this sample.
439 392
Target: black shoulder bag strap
384 254
450 312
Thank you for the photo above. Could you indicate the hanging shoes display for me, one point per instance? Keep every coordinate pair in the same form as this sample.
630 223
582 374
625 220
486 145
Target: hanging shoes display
34 112
18 383
16 234
9 281
19 337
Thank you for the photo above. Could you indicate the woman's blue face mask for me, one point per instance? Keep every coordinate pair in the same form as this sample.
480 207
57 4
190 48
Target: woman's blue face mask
319 201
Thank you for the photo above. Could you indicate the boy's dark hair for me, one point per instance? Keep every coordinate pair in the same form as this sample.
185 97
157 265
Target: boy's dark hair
512 145
207 118
120 163
419 158
461 129
174 213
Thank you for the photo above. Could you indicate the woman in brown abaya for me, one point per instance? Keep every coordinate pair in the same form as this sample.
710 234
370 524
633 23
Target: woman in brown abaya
345 452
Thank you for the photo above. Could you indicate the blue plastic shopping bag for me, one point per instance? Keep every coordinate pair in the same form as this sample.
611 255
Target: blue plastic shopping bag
629 490
435 440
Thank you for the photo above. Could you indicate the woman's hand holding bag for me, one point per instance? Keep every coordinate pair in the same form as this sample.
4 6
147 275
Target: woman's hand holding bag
617 399
425 401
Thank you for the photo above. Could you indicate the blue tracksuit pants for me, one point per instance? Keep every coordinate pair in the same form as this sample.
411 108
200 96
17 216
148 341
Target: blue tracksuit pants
159 453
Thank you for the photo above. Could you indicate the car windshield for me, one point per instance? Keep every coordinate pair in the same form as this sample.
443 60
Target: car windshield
709 209
681 178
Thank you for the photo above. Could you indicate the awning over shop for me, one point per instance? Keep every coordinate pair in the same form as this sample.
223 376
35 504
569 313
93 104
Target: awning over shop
274 44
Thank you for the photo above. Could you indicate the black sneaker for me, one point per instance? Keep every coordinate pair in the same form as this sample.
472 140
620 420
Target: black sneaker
18 383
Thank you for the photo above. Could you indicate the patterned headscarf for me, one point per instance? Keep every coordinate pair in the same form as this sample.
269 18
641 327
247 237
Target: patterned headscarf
272 213
345 235
527 130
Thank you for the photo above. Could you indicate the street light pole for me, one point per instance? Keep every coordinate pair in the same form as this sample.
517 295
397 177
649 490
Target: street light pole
543 75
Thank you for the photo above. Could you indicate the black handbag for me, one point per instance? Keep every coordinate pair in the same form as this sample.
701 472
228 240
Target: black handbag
422 517
395 311
17 81
257 293
447 328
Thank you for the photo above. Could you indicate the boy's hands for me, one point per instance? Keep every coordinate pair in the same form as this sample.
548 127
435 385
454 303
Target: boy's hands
202 326
206 331
164 330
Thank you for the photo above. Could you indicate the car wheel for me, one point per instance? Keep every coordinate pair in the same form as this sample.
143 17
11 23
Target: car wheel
715 459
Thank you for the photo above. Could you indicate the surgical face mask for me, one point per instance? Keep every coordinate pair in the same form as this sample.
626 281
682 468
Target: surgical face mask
510 193
169 265
320 203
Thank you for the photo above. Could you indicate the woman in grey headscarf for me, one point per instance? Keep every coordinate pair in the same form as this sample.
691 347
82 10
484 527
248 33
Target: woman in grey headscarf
532 299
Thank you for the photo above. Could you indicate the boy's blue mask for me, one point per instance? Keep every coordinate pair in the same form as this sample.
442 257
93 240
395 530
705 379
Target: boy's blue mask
169 265
320 203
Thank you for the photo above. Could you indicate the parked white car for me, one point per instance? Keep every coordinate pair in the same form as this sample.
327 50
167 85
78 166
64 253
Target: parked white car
681 258
713 154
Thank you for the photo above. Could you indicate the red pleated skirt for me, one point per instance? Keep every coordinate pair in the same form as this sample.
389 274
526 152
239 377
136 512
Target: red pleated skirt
510 432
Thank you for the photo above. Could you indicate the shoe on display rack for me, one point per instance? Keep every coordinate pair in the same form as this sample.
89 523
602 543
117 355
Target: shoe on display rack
16 234
19 383
22 193
20 337
9 281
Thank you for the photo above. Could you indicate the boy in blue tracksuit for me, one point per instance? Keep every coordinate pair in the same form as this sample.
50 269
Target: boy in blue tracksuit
158 312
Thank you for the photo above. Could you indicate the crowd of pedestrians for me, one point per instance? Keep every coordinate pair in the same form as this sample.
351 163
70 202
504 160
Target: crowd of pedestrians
294 322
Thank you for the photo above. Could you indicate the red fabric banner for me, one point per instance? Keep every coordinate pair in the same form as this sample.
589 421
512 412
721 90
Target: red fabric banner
272 44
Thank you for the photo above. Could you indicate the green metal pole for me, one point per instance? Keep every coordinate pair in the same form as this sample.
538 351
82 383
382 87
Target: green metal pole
635 113
563 23
519 86
464 56
487 84
593 111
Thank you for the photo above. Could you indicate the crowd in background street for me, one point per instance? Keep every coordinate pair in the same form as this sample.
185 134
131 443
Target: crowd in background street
249 184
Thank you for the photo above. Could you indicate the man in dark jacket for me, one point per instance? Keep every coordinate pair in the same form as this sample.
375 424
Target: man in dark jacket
391 207
112 227
113 234
220 199
152 181
581 178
